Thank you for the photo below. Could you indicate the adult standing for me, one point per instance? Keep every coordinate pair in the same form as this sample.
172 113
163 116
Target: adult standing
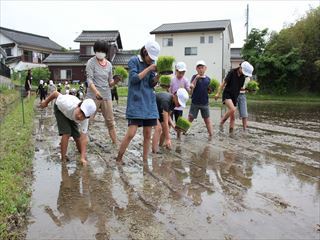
27 84
231 86
142 108
99 78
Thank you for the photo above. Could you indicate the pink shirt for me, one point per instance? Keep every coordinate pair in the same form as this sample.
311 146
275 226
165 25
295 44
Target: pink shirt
179 83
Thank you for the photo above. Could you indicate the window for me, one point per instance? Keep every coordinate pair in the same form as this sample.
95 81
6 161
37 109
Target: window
65 74
167 42
27 56
190 51
210 39
89 50
202 39
8 52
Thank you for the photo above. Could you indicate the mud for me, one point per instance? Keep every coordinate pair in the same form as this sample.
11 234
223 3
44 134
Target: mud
263 183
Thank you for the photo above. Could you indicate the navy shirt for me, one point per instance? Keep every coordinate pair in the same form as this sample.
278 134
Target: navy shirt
200 92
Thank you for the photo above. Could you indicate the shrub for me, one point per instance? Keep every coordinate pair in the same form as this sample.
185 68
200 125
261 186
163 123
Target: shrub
164 64
183 124
213 86
121 71
40 73
253 86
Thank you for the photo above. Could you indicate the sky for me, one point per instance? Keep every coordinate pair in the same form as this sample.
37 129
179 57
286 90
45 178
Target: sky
63 21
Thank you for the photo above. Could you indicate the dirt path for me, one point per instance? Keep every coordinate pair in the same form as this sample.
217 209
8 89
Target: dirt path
260 184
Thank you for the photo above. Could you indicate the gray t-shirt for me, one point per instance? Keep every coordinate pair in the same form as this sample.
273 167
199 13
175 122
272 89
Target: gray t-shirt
100 76
164 103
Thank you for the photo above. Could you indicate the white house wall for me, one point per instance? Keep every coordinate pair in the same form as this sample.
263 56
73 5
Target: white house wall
211 53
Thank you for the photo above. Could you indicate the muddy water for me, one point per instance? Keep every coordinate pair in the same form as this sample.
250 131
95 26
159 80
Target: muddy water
259 184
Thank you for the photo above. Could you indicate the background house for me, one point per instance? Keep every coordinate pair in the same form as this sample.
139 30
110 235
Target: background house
22 47
70 66
236 58
192 41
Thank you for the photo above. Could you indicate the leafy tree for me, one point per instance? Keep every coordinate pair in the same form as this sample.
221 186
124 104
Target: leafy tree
40 73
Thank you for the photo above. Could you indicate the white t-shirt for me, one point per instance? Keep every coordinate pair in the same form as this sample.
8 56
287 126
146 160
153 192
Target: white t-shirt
67 104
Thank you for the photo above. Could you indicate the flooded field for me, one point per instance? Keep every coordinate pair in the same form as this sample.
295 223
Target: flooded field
259 184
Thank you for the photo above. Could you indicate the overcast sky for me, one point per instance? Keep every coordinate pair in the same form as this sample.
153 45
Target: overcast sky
63 21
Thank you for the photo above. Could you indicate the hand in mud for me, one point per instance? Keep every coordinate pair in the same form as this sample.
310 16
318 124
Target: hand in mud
43 104
98 96
168 144
83 161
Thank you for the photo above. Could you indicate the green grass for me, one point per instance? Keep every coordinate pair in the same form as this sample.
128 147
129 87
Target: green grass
16 151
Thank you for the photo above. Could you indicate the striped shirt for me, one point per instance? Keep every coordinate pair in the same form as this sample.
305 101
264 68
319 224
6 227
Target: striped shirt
100 76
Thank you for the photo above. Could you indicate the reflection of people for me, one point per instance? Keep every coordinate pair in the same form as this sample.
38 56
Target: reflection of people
27 84
99 78
200 98
179 81
141 103
69 111
231 86
166 102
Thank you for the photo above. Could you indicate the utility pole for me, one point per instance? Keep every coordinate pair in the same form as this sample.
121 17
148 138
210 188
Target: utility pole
247 21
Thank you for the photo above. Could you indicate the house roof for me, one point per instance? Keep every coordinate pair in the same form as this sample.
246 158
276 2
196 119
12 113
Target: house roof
29 39
215 25
235 53
92 36
122 58
63 57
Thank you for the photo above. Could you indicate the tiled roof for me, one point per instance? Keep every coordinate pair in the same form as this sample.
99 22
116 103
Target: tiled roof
92 36
192 26
29 39
66 57
122 58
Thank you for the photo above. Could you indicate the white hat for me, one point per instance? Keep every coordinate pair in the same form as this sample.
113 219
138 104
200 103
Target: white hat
88 107
67 92
201 62
41 82
247 68
181 67
153 49
51 82
183 97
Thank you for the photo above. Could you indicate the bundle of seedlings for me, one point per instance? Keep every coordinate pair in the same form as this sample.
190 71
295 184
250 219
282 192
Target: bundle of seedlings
213 86
164 65
120 72
165 81
252 86
183 124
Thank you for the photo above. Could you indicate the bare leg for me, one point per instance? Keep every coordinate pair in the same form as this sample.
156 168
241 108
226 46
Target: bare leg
125 141
244 123
113 135
156 137
208 123
64 146
231 110
146 142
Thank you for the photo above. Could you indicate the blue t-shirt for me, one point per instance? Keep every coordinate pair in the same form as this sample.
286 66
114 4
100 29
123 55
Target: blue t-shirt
200 92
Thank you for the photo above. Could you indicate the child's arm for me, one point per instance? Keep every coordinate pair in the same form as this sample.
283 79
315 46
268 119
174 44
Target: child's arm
52 96
221 87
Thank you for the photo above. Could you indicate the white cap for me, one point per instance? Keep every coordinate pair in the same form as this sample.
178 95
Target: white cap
181 67
183 97
153 49
67 91
201 62
247 68
51 82
41 82
88 107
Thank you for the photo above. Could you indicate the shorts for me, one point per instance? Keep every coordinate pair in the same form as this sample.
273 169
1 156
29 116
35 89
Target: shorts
227 95
194 109
143 122
176 114
107 112
65 125
242 105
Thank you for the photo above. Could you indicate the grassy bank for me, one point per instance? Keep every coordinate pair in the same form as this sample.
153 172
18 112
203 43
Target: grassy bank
16 151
